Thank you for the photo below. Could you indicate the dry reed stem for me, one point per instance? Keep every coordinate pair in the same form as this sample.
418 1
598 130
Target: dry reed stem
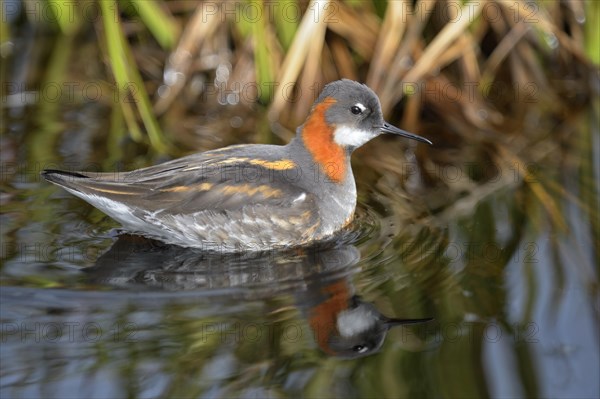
309 31
468 62
549 28
360 30
310 75
202 25
390 37
502 50
399 64
343 59
429 59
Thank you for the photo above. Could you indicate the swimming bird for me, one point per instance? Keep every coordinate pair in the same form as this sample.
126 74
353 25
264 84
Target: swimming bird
248 197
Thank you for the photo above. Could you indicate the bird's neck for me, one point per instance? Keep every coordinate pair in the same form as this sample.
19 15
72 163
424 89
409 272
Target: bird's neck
318 139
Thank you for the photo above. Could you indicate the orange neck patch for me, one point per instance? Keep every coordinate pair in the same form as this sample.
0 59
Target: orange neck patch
323 317
318 140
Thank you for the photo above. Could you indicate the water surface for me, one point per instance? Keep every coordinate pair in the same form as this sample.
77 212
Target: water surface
507 269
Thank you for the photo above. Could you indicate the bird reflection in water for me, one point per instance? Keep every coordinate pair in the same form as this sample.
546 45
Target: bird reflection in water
319 278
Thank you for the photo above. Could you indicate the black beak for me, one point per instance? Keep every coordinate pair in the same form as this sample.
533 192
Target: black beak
387 128
389 323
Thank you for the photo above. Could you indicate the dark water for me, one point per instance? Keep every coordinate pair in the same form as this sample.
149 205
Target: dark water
508 272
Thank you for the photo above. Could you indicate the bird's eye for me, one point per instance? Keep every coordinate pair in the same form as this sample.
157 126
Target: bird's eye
359 348
355 110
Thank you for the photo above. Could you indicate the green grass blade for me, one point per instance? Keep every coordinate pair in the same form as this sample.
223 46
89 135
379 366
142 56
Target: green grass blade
128 77
286 17
164 29
66 14
592 31
262 56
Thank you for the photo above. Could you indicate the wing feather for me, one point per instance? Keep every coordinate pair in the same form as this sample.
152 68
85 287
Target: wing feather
221 180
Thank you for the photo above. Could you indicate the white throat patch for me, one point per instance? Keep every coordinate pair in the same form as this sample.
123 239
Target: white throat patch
355 321
350 137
